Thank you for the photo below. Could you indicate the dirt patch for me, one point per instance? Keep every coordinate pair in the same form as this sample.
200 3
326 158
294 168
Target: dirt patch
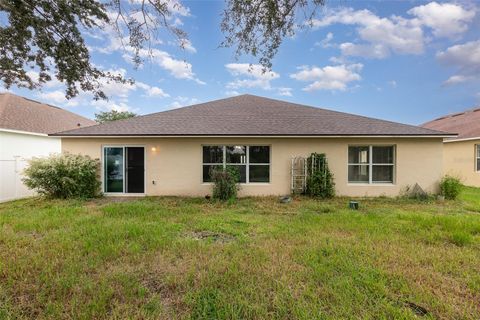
418 310
211 236
107 200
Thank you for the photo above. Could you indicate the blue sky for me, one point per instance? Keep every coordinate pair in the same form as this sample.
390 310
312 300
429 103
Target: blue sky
406 61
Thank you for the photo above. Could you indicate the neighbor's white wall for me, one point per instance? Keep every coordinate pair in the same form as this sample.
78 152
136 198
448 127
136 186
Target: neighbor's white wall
27 145
15 150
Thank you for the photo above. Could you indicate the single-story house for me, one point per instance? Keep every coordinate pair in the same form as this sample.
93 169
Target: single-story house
24 128
461 154
171 152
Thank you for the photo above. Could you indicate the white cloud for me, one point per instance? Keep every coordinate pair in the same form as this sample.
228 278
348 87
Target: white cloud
157 92
377 51
284 91
232 93
187 45
152 91
393 83
466 58
446 19
177 22
386 35
326 42
117 89
181 101
118 94
456 79
464 55
329 77
382 36
57 97
177 8
110 105
177 68
255 76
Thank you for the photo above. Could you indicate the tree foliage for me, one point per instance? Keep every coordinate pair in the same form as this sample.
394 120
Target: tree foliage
106 116
47 36
44 33
258 27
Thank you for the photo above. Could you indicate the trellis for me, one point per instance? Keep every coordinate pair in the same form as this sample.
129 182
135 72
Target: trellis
304 167
299 175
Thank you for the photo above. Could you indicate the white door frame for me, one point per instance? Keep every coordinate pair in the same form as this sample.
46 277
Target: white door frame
124 146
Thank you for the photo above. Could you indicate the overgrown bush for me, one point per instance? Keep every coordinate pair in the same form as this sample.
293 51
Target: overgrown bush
450 187
320 182
64 176
225 183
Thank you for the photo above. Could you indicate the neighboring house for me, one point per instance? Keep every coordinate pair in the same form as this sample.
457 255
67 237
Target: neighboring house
171 152
461 155
24 128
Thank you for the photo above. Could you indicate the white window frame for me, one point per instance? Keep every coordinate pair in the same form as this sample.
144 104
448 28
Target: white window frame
246 164
124 146
477 157
370 164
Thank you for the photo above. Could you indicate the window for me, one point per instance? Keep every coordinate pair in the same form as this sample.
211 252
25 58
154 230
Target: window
236 156
212 158
252 162
371 164
477 156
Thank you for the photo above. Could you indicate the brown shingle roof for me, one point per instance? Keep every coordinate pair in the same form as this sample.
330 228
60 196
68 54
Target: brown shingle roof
249 115
466 124
22 114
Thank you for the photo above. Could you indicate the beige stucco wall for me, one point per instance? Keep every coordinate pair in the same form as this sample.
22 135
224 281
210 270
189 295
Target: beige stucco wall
176 165
459 160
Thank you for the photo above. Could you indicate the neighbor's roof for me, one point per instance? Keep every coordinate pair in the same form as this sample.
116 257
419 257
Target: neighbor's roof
22 114
466 124
249 115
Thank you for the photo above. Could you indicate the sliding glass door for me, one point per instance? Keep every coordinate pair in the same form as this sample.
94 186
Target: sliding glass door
124 169
114 169
135 173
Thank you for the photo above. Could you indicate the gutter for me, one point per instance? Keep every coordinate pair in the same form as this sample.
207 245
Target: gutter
254 136
27 132
462 139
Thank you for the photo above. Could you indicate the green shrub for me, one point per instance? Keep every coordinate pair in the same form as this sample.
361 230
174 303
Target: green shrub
450 187
64 176
225 183
319 177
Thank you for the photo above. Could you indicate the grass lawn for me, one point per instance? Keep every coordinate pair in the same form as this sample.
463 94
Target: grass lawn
172 258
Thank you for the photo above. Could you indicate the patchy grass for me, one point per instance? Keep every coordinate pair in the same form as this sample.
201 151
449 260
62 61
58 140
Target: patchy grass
176 258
